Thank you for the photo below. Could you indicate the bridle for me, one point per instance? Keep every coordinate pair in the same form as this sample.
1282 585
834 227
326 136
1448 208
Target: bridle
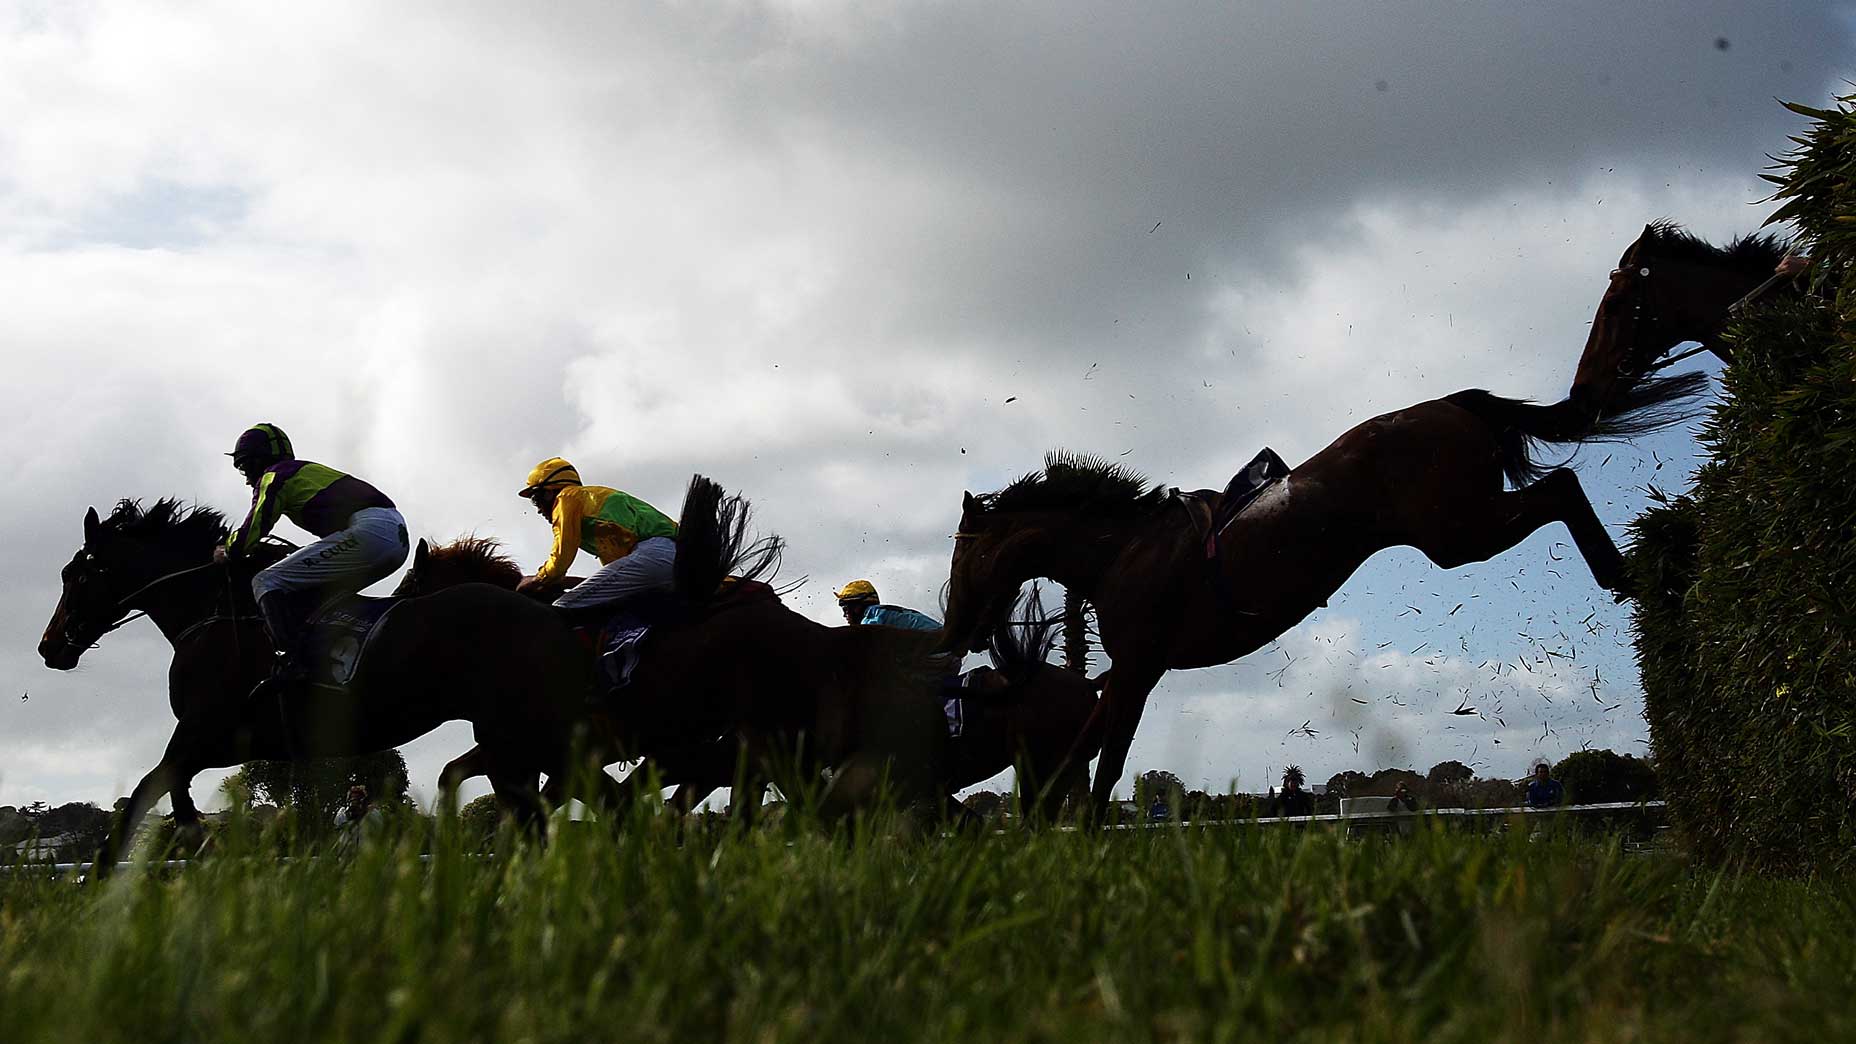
1644 320
1733 309
122 611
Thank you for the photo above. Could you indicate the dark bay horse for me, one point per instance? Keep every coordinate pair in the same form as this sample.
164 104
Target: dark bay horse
471 653
733 669
1030 715
1669 288
1023 713
1429 476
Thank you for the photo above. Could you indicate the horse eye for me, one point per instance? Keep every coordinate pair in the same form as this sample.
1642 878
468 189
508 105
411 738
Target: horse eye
82 578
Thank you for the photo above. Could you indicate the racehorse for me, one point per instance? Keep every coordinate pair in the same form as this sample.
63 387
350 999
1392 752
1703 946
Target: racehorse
778 694
1669 288
1170 592
473 653
1028 714
1023 712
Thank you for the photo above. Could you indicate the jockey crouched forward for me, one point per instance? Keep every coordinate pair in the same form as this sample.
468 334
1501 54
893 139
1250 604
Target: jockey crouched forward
362 538
635 542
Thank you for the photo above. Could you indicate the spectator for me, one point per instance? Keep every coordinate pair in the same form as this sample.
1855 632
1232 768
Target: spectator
1402 801
358 820
1293 800
1543 791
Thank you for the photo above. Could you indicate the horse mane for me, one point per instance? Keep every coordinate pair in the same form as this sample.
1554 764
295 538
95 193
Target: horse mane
1076 480
1756 253
481 559
168 521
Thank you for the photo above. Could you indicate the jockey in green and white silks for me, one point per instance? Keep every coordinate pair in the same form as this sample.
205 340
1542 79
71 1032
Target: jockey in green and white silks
362 537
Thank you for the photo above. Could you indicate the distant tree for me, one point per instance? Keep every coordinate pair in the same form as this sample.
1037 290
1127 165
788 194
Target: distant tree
479 819
1598 776
986 804
1385 781
316 788
14 827
1448 774
1159 793
1348 784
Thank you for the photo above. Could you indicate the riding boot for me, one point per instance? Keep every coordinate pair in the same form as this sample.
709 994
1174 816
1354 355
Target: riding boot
285 617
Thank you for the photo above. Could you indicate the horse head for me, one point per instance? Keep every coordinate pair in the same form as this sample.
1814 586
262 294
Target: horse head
992 553
1668 288
121 557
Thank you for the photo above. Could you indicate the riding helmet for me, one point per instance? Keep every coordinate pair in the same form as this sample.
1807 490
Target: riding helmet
553 473
261 446
857 591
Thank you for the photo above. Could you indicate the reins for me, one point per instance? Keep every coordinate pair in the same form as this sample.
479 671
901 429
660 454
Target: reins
1733 309
137 614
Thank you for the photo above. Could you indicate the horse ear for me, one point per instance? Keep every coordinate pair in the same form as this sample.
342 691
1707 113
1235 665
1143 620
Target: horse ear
419 555
966 501
91 525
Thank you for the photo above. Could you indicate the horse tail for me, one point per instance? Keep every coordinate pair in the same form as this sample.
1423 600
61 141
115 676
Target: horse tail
1022 644
713 542
1523 427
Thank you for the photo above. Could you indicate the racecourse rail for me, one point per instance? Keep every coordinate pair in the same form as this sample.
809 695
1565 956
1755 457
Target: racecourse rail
1352 819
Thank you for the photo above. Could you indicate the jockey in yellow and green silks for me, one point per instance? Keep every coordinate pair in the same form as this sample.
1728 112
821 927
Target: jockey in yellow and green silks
636 543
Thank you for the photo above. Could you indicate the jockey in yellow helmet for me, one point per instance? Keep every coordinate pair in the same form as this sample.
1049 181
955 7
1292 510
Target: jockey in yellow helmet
635 542
859 602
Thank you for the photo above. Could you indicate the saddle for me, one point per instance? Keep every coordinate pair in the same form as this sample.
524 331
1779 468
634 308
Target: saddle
335 636
617 637
1212 512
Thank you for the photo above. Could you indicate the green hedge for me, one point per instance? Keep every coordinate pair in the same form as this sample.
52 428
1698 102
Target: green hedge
1744 621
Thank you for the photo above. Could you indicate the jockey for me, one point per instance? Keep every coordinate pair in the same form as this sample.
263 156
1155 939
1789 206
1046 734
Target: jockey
635 542
362 537
861 605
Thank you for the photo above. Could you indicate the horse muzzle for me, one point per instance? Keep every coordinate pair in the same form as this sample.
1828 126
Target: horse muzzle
60 654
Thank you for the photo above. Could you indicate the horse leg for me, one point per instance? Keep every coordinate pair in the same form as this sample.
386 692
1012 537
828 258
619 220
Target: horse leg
1123 700
467 765
519 794
152 787
1510 517
189 835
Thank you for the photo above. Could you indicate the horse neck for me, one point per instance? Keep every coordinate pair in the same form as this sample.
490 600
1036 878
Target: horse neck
179 604
1078 551
1702 295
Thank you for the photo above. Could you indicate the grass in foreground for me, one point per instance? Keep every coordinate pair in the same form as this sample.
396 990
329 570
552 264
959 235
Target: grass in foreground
1227 934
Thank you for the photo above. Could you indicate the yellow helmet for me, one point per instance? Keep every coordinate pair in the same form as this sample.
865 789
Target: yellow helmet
553 473
857 591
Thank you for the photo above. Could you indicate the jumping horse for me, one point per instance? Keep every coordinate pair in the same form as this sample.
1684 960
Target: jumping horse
1430 476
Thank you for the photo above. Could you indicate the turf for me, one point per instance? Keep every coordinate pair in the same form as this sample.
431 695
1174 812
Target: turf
1237 933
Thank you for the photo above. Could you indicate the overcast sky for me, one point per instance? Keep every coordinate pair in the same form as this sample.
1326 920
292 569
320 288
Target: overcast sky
811 249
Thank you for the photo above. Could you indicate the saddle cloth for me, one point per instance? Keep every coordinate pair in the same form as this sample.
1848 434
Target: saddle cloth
337 634
618 639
